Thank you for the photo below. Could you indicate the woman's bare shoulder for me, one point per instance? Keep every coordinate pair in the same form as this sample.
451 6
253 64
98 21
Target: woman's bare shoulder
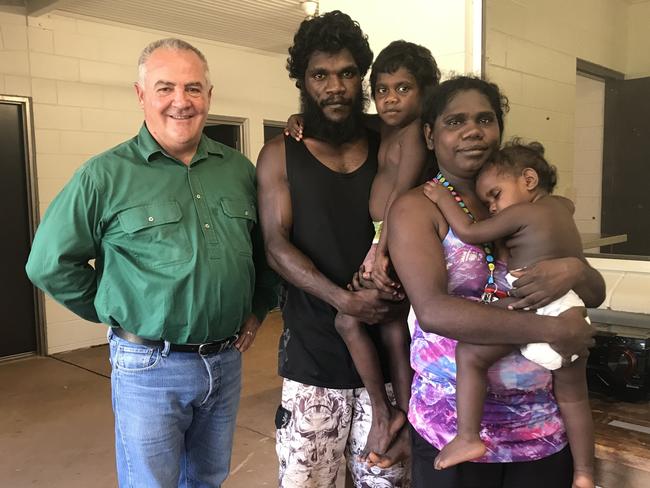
413 207
415 199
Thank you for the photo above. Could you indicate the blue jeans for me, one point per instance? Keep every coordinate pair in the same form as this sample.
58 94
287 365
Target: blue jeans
174 415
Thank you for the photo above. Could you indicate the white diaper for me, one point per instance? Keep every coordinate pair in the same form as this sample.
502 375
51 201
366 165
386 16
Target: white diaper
540 352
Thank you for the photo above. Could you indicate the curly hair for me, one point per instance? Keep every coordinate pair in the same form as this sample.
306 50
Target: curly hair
329 33
416 59
515 156
437 99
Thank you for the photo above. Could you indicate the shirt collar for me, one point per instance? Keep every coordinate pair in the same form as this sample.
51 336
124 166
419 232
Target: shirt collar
149 147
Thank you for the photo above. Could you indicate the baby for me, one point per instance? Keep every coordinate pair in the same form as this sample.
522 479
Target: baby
516 186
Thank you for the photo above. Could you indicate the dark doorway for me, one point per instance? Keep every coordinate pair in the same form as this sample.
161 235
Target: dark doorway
626 164
272 130
228 134
18 329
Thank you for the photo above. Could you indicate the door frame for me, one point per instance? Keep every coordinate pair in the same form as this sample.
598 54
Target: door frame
241 122
605 75
272 123
27 109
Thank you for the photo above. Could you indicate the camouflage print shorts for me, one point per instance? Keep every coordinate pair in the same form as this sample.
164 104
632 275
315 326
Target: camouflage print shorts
316 427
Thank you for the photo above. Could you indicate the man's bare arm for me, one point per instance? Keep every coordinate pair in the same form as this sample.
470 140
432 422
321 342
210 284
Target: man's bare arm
287 260
540 284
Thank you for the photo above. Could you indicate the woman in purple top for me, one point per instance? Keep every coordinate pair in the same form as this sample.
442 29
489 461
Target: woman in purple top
446 281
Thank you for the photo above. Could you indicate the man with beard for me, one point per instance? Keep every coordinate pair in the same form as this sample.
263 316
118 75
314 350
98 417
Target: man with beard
313 198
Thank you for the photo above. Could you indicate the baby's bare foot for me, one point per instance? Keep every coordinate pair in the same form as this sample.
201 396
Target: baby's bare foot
458 451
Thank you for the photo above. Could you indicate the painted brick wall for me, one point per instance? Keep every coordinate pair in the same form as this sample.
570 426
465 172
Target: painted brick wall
638 40
531 51
588 157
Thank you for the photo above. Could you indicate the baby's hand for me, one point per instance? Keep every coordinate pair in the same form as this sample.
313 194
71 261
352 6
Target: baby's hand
294 127
434 191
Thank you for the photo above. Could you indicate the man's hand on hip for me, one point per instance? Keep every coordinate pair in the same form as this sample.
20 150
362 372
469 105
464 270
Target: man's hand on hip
247 333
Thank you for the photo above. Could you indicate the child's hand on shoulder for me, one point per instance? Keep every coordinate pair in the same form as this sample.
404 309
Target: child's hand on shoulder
294 127
434 191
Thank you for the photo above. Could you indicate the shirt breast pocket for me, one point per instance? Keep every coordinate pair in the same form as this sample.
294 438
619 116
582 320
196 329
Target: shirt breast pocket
240 217
155 234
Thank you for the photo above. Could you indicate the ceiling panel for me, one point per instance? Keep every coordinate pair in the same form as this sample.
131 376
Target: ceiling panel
268 25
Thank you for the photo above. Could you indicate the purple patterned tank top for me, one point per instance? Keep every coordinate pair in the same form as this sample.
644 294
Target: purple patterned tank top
521 419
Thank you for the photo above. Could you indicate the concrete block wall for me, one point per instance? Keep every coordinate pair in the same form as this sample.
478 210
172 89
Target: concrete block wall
531 51
638 38
444 34
444 27
588 153
80 76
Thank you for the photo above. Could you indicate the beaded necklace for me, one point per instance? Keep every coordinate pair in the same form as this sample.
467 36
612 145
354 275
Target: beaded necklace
491 292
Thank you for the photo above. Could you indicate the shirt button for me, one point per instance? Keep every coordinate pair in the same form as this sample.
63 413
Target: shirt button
207 226
150 219
245 212
198 195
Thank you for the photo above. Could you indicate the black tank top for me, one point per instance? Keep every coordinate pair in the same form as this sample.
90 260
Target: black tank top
331 226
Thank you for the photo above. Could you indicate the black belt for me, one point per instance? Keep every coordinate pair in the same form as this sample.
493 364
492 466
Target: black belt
214 347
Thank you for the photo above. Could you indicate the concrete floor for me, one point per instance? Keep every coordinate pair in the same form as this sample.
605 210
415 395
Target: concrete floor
56 422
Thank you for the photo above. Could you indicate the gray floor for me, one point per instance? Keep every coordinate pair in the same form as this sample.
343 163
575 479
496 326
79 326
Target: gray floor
56 422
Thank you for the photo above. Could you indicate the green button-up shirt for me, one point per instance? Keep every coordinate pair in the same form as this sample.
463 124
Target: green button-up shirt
178 251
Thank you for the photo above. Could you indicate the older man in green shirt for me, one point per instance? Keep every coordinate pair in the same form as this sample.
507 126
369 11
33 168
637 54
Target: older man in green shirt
170 218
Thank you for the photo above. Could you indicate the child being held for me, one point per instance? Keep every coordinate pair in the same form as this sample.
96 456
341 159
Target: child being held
516 185
400 76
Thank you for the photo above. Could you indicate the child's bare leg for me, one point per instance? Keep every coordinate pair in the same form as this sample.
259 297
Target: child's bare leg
387 420
395 337
570 387
472 363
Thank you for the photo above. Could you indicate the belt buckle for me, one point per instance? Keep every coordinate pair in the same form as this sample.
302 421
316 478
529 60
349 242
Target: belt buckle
205 349
212 348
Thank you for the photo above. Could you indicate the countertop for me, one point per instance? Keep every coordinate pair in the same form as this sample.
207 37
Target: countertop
590 241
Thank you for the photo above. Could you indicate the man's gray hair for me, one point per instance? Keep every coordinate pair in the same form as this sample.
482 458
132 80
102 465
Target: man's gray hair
168 43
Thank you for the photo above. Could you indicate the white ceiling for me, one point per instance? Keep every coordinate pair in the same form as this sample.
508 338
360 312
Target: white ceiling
268 25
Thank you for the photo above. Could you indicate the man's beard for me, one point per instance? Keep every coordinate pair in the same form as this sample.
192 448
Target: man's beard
318 126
